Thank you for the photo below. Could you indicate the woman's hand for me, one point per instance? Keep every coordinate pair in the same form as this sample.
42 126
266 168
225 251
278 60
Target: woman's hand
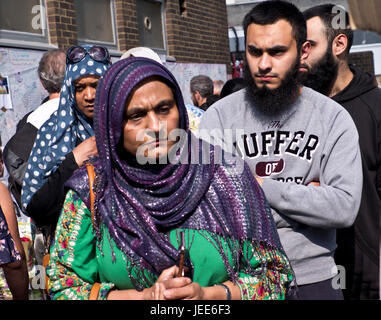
170 287
85 150
167 280
189 291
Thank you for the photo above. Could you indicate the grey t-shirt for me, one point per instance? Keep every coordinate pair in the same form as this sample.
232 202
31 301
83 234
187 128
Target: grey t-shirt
314 140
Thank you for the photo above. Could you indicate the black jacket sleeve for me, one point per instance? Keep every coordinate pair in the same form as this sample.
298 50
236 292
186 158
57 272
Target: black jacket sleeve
46 204
378 182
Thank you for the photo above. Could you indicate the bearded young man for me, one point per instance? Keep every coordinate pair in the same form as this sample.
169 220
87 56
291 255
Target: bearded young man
301 146
329 73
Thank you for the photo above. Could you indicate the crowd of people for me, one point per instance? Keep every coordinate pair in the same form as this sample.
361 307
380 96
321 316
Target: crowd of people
268 187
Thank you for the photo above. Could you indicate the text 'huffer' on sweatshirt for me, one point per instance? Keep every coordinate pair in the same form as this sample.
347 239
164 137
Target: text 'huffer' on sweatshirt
315 140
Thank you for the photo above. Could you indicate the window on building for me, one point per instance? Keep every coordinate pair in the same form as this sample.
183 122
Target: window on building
150 24
183 8
96 22
23 20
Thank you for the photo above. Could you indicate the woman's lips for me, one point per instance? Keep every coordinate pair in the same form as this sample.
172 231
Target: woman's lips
156 143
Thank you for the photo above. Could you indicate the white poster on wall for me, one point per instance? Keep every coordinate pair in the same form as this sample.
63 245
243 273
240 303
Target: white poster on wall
26 92
5 94
184 72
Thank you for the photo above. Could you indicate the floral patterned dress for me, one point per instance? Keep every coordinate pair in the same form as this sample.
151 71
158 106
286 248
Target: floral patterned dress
8 252
78 261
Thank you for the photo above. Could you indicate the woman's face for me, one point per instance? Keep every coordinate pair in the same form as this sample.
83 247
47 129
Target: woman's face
85 88
151 114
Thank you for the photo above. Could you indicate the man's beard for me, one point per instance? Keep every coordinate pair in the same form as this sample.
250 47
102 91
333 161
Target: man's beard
272 102
322 75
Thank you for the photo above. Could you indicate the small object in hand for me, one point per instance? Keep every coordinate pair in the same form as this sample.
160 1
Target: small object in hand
181 255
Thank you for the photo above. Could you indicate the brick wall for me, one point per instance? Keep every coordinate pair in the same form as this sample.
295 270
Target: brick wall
126 24
198 35
363 60
62 23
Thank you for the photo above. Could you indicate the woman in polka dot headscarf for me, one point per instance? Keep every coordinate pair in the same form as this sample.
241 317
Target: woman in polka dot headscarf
65 141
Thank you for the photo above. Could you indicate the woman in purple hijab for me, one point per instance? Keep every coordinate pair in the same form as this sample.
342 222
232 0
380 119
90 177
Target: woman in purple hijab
165 225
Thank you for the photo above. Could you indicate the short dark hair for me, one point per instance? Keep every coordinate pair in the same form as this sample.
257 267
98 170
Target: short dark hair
326 14
232 86
202 84
270 12
51 70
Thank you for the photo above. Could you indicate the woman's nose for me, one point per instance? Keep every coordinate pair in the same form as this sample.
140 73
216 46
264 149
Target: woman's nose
153 122
89 93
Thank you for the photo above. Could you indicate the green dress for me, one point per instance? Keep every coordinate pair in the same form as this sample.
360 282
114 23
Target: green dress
77 261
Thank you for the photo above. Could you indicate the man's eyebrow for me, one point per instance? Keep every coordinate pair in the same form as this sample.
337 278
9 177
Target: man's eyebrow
312 42
275 48
253 47
278 48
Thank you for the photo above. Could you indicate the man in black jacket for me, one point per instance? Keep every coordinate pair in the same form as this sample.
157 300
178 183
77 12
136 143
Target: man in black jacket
327 71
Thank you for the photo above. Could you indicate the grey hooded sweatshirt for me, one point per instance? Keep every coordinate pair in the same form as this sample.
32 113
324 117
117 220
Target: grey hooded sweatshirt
315 140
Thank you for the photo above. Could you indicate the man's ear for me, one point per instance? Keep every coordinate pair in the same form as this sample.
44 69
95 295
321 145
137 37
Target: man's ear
305 51
197 96
339 45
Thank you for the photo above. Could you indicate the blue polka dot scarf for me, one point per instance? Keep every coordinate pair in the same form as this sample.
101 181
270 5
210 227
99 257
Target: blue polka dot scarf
60 134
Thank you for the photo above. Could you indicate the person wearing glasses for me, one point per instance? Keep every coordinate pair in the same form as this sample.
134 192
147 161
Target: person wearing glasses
66 140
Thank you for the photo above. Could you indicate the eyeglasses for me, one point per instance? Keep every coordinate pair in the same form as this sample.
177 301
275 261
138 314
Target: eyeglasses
98 53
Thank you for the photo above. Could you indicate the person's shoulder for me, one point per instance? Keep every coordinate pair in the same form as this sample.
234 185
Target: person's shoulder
373 98
51 104
320 103
228 107
4 193
79 182
80 177
38 117
194 111
3 188
232 101
326 110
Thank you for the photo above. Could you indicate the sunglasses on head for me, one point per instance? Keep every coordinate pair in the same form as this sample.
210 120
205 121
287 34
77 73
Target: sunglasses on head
98 53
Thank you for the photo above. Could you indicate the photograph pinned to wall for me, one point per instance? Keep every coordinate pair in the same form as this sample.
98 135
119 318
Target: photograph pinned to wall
5 95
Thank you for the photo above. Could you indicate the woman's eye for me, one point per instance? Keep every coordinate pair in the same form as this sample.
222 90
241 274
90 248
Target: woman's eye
164 110
134 117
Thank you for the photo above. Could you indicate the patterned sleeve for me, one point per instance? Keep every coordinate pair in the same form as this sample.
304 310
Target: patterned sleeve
265 273
73 267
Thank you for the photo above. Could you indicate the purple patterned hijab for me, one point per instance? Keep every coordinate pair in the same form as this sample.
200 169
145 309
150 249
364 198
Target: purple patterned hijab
139 206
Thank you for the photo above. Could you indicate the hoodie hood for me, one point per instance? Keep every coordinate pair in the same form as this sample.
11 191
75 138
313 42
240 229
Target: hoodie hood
360 84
